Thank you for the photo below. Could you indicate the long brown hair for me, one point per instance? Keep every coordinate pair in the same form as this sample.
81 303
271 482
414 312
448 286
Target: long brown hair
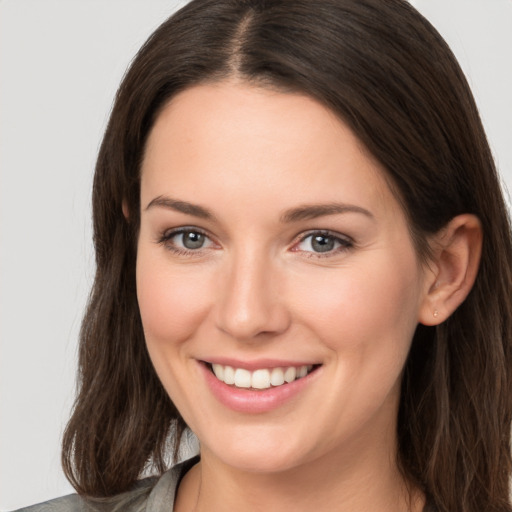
387 73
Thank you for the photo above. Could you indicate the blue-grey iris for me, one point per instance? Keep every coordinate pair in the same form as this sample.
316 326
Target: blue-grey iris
321 243
193 239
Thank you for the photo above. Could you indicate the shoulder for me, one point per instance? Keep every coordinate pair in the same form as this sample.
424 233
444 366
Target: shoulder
152 494
70 503
131 501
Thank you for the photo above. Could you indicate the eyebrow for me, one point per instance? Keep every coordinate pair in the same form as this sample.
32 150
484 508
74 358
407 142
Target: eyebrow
313 211
181 206
305 212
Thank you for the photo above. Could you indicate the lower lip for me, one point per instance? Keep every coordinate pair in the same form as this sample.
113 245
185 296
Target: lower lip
255 402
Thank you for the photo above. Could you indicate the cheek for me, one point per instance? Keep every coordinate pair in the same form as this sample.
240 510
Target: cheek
171 302
368 310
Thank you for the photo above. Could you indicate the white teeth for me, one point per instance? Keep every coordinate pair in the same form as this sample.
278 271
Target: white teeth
259 379
302 371
218 369
242 378
277 377
290 374
229 375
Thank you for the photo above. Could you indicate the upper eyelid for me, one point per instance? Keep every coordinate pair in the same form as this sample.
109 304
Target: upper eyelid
324 232
168 233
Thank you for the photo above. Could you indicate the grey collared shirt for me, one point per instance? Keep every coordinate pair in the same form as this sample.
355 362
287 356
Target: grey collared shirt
154 494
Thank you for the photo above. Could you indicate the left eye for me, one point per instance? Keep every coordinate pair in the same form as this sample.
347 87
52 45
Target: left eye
322 243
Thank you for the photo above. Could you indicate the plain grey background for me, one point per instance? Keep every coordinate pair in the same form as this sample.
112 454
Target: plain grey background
60 64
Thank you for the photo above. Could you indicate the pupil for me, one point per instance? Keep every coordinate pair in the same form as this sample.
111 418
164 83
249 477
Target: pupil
322 243
193 240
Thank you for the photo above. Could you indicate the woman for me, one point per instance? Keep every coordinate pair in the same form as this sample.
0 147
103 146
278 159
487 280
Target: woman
303 255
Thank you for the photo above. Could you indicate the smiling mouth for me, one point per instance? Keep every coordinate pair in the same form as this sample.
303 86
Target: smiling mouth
260 379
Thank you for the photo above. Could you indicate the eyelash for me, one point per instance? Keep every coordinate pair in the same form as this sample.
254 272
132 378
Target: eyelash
345 243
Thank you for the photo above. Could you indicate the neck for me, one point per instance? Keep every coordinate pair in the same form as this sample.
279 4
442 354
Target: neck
360 480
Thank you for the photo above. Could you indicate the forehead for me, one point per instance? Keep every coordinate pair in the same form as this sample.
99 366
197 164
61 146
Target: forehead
246 141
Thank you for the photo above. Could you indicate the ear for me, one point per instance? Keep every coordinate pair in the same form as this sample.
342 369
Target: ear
452 271
126 211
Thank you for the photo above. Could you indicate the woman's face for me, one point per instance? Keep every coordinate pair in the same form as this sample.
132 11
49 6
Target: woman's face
270 246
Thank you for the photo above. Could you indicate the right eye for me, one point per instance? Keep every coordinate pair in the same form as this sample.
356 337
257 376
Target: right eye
185 240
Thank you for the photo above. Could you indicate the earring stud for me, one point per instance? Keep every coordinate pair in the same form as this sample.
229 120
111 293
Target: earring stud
436 313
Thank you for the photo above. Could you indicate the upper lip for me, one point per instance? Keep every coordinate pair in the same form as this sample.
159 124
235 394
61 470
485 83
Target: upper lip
257 364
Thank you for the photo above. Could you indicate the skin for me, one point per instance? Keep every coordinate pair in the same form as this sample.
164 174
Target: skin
258 289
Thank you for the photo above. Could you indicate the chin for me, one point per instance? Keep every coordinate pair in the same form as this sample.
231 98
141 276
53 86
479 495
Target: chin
258 452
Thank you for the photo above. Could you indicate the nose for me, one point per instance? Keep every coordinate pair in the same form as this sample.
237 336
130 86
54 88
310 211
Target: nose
250 305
